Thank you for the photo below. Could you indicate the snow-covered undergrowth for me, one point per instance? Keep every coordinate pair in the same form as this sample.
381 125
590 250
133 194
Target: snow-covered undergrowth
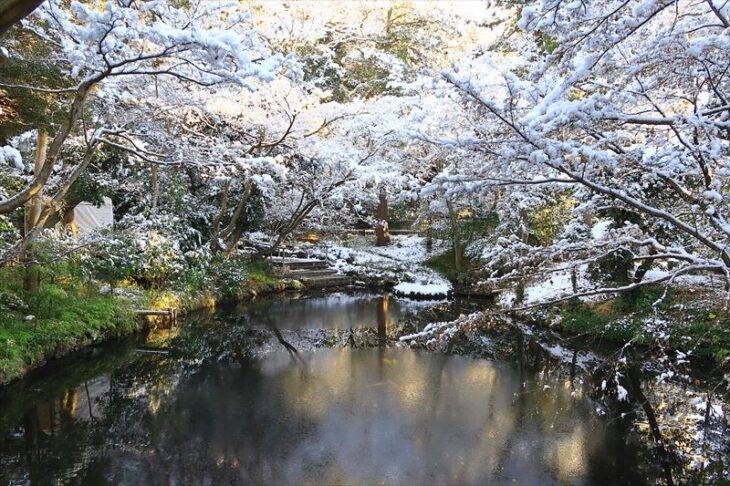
560 284
554 285
401 262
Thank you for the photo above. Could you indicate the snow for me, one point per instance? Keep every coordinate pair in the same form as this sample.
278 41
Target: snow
285 260
569 138
598 231
401 261
706 281
429 331
12 155
419 289
554 285
713 197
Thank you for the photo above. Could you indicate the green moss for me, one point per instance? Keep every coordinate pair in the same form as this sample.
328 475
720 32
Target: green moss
260 271
68 313
444 265
65 316
692 324
706 332
606 322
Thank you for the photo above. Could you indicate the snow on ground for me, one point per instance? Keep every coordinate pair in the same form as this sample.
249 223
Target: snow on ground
421 289
704 281
278 259
599 230
402 261
558 284
554 286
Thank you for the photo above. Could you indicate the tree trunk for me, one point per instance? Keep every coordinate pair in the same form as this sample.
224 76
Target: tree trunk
35 205
233 232
456 244
155 188
381 226
215 240
13 254
69 222
644 267
33 212
12 11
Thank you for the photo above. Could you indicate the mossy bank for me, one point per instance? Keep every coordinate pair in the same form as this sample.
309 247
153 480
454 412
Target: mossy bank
680 320
62 313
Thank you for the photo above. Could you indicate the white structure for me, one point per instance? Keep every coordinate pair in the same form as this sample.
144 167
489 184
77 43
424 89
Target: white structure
88 217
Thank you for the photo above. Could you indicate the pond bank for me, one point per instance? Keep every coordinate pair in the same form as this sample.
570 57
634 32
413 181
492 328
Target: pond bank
61 317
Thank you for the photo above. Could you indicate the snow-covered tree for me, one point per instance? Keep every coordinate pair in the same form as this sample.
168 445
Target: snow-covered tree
102 46
625 106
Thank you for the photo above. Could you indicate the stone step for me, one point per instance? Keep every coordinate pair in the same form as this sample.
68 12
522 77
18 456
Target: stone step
306 272
327 281
301 264
319 265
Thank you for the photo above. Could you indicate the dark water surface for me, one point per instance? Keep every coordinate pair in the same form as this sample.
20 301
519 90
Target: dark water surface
337 311
335 416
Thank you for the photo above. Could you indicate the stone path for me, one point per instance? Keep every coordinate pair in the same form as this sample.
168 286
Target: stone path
311 273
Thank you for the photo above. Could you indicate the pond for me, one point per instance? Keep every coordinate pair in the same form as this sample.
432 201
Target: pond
334 416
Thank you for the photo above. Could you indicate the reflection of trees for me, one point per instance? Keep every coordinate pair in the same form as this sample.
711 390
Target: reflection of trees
66 424
504 453
636 394
355 416
383 319
43 428
338 311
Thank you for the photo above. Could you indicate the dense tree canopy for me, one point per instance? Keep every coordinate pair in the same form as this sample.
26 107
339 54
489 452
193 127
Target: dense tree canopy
583 133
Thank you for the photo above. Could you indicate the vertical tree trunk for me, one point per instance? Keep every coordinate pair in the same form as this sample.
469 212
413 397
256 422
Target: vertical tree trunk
574 280
520 292
429 240
33 210
457 244
69 222
11 11
155 188
381 227
35 204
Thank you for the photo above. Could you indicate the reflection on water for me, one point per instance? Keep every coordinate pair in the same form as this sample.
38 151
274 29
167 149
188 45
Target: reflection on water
337 416
338 311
